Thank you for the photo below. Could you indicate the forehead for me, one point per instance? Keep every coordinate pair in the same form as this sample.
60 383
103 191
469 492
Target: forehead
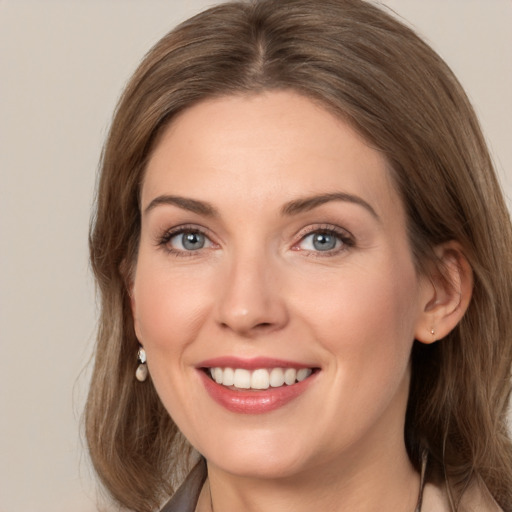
263 145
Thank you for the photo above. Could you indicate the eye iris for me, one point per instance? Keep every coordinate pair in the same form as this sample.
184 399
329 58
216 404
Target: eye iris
193 241
324 241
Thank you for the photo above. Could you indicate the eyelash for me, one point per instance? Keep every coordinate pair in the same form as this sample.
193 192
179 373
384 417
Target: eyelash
163 240
346 239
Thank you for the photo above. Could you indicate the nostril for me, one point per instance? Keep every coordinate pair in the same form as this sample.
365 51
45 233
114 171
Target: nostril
263 326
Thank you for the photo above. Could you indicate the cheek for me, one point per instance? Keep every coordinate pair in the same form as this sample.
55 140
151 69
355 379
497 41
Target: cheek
366 318
366 334
168 307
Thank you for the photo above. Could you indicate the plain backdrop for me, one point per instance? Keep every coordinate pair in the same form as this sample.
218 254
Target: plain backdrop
63 65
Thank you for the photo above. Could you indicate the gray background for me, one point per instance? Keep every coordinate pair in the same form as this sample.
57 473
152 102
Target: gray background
63 64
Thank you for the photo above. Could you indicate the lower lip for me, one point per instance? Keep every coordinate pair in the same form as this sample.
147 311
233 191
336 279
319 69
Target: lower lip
254 401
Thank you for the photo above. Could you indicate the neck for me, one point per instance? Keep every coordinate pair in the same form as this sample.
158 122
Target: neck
387 484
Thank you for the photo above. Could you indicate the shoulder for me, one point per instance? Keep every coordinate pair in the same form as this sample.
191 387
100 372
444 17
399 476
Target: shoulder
476 498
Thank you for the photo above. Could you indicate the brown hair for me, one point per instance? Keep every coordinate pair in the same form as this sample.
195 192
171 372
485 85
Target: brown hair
363 65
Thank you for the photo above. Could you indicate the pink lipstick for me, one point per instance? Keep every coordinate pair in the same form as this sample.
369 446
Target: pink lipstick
255 386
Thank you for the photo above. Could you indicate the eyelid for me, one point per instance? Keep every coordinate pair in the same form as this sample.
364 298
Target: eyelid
324 227
346 238
162 238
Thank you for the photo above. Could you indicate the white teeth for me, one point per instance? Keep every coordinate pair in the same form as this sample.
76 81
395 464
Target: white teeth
303 373
261 378
217 375
242 379
276 377
228 377
290 376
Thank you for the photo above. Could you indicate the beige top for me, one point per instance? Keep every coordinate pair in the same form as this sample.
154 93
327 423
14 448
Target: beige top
435 499
476 499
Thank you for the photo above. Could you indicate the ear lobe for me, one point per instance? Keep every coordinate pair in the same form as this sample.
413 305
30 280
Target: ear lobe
448 294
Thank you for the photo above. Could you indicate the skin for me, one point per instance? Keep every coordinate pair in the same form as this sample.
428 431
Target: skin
259 287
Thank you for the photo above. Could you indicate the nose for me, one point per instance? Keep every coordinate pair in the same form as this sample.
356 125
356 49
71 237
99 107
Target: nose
250 300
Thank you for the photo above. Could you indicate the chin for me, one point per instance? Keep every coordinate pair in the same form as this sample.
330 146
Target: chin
261 456
277 466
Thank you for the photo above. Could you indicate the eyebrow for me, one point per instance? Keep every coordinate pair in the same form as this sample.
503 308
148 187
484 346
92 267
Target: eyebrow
308 203
294 207
192 205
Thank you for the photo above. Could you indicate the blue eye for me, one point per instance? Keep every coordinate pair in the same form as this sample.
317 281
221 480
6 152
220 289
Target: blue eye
322 241
188 241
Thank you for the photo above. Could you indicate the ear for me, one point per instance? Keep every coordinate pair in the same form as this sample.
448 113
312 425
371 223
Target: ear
446 293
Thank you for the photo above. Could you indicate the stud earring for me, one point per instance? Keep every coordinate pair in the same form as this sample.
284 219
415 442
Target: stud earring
433 332
141 373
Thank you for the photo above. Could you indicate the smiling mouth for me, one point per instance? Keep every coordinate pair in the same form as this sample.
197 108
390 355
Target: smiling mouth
259 379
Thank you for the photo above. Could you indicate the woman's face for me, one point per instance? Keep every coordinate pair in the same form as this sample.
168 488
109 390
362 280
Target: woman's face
274 247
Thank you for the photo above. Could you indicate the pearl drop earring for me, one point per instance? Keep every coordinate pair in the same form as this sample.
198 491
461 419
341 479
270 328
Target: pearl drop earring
141 373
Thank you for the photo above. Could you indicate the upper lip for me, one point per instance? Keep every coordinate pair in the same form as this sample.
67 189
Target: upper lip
253 363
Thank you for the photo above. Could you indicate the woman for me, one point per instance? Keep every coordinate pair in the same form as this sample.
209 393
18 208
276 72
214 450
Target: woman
300 236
